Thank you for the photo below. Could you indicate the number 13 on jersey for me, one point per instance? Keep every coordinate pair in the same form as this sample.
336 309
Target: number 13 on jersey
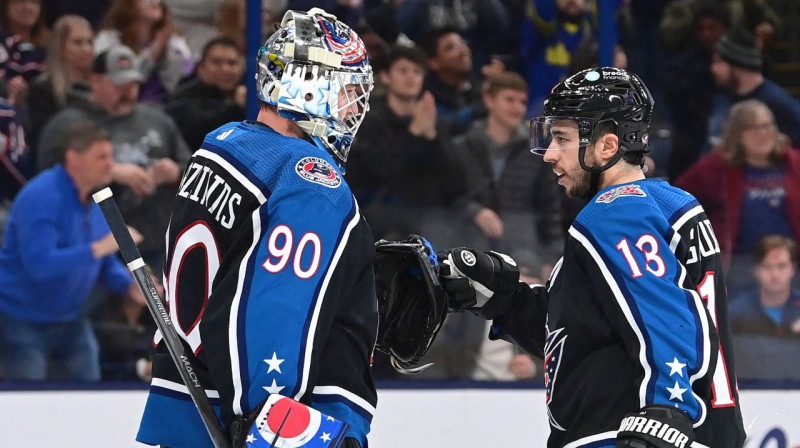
654 264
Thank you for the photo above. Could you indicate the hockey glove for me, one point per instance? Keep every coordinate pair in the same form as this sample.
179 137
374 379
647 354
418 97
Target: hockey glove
480 282
412 305
656 426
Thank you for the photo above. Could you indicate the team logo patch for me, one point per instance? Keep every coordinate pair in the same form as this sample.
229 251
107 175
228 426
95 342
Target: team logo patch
314 169
625 190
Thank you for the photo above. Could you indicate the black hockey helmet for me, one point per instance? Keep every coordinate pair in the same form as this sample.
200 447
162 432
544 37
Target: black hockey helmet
594 96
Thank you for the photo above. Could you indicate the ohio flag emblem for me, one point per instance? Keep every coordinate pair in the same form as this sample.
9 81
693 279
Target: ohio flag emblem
285 423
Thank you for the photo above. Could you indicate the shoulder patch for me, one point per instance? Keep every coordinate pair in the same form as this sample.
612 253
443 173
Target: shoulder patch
624 190
314 169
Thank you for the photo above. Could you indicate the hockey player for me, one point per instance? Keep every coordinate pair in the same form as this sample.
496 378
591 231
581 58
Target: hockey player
633 322
268 267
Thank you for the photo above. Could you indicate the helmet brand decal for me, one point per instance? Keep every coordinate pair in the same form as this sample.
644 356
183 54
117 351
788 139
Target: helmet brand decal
592 76
468 258
624 190
314 169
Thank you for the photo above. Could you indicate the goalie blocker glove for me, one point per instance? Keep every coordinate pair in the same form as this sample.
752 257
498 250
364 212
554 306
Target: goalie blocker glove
480 282
656 426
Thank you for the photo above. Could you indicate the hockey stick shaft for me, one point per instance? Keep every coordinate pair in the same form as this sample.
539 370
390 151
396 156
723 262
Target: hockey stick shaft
104 198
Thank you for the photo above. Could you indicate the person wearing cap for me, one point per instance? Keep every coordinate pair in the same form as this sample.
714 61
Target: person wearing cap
149 151
736 66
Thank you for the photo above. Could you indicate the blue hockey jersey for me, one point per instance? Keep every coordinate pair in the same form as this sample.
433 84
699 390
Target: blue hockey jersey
270 284
634 314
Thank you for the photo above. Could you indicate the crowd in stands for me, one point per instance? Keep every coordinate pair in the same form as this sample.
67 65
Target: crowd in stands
121 92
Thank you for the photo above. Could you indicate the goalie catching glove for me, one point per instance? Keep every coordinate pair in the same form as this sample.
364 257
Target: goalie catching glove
480 282
411 303
656 426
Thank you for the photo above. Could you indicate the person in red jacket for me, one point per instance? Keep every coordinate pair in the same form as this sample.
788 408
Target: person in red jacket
749 186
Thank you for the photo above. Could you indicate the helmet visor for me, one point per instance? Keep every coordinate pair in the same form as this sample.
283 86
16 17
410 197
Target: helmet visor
554 134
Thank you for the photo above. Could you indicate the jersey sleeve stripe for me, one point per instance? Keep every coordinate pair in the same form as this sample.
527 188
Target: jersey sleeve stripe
624 306
338 393
238 368
311 326
695 303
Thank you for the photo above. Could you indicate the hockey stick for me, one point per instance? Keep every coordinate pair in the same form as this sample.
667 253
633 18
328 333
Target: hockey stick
104 198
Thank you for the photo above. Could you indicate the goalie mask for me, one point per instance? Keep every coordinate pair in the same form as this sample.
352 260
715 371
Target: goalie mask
315 70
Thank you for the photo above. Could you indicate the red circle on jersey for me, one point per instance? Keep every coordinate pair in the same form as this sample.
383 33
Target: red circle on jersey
296 423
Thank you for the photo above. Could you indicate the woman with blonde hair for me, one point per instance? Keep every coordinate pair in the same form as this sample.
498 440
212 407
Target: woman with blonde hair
146 27
749 186
67 70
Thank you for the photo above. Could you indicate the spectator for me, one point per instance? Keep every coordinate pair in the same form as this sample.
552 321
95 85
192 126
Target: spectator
773 307
454 87
511 199
766 320
399 170
69 66
736 66
549 37
749 186
482 23
145 26
16 161
196 20
149 151
56 248
214 96
685 73
22 34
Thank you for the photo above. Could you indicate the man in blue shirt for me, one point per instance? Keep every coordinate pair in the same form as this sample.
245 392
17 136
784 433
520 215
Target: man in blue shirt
56 248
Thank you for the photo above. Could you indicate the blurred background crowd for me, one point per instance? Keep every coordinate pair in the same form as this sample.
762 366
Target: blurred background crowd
122 91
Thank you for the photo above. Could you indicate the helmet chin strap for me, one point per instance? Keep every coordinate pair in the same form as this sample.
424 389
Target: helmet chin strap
595 171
